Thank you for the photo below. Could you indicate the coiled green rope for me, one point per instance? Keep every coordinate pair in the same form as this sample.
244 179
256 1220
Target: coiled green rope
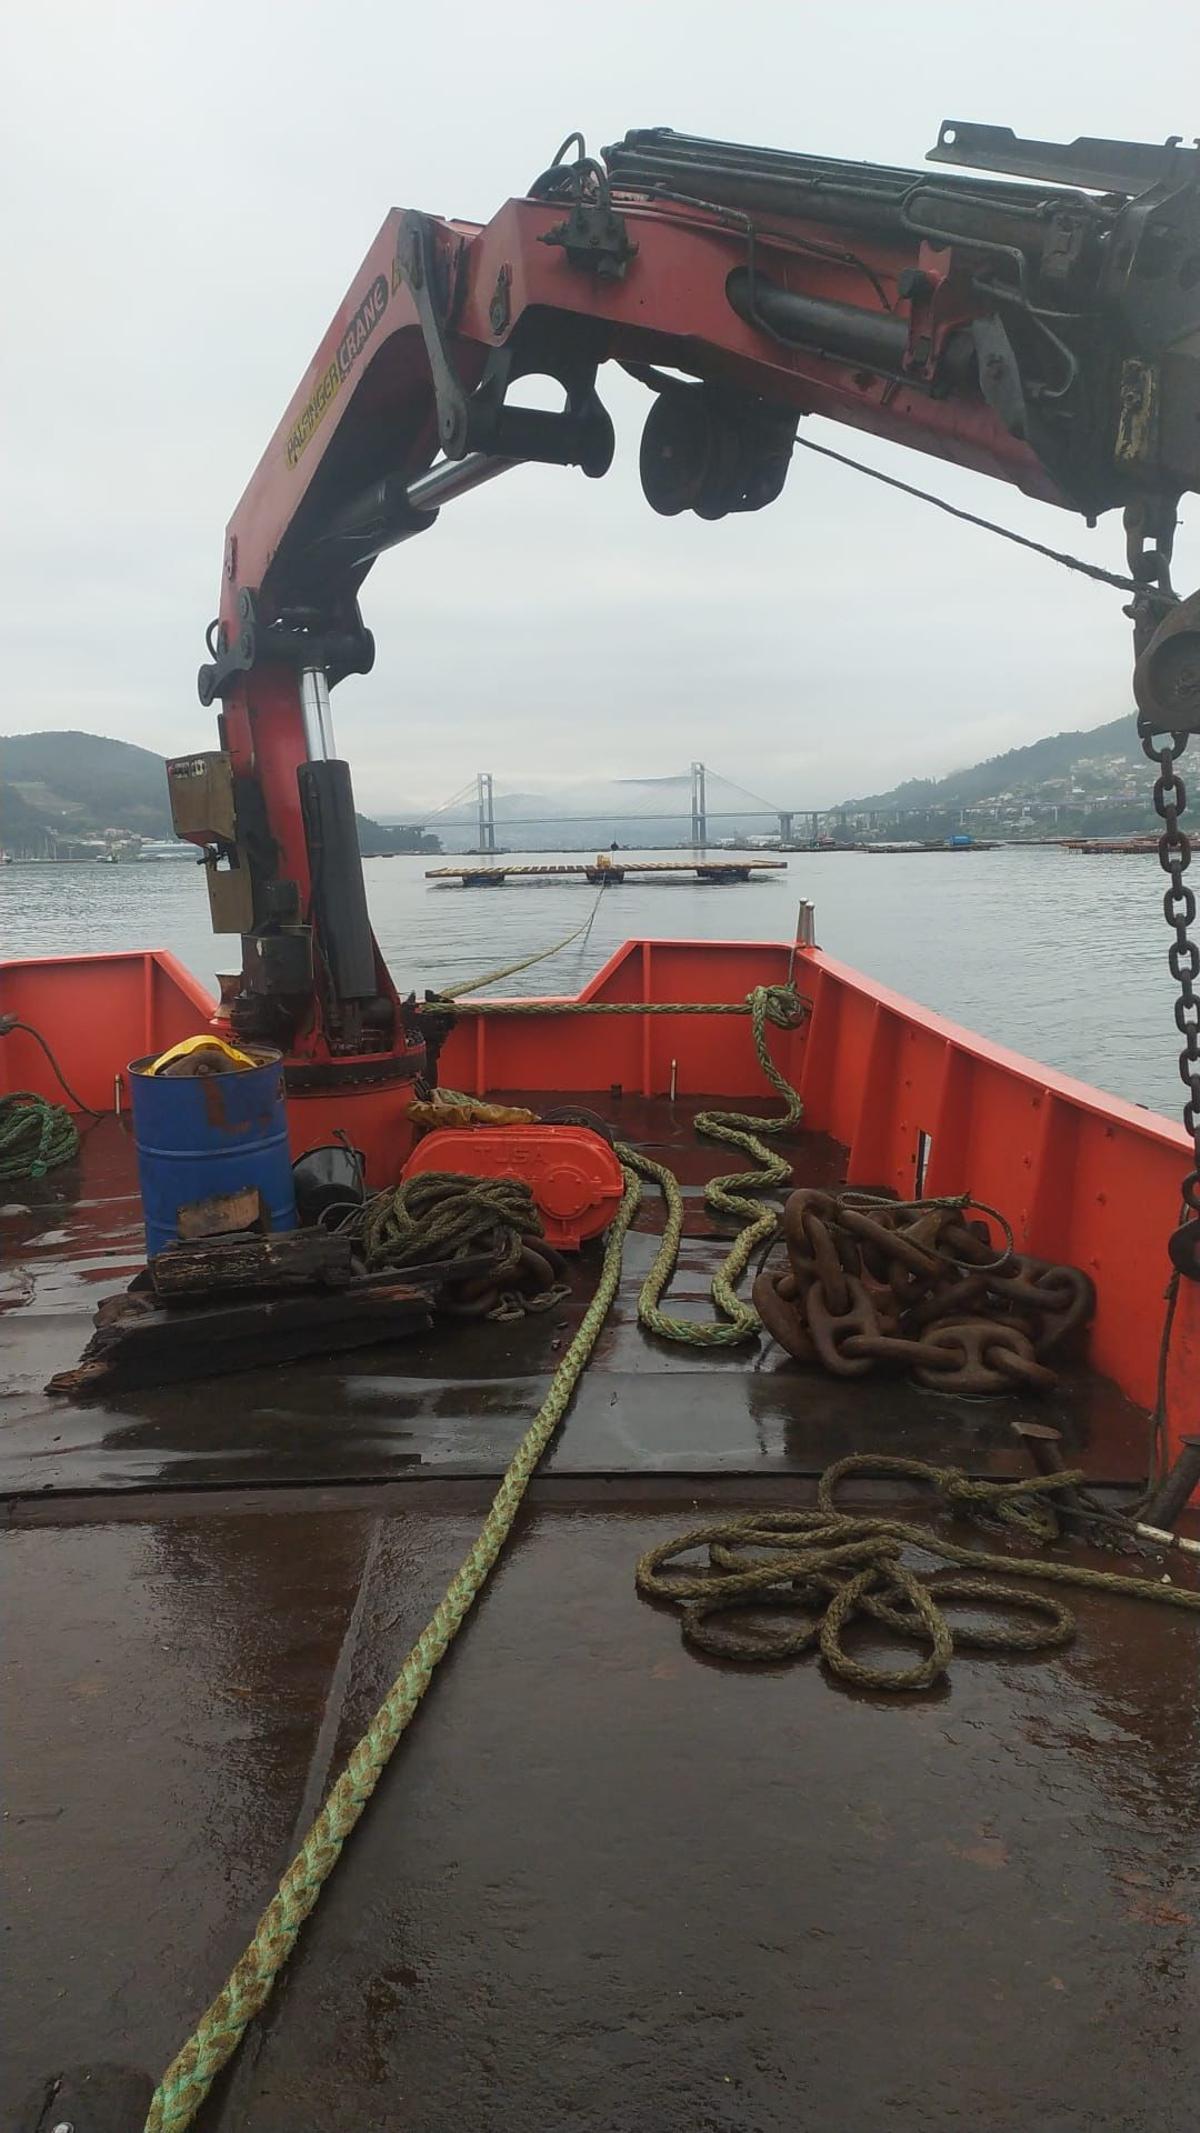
829 1566
35 1135
442 1215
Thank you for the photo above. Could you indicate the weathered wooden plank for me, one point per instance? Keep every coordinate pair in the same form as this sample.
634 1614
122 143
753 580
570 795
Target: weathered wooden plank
293 1259
147 1346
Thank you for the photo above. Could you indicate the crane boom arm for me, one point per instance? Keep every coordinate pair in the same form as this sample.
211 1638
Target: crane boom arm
1042 328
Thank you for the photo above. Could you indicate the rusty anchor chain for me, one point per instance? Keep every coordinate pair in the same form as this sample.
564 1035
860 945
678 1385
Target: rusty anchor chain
917 1286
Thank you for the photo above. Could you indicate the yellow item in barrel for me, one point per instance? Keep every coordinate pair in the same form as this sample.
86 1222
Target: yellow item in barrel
446 1108
202 1055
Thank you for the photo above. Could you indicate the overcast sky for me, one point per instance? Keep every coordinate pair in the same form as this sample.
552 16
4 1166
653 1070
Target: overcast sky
190 187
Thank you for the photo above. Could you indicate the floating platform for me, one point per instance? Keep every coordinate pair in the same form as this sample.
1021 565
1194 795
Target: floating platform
1128 847
604 873
923 851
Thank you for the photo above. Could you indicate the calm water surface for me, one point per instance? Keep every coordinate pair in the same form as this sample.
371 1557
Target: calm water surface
1059 956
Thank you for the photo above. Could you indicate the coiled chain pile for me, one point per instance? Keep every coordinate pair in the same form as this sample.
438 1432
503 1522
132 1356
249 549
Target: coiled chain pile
872 1283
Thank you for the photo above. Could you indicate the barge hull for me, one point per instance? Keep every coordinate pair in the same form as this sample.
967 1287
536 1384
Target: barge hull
606 1883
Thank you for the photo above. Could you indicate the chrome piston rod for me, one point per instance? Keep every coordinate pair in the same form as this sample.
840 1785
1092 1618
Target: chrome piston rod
318 718
455 477
368 525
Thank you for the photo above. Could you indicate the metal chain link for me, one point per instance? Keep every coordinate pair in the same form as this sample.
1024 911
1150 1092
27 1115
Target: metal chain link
1183 959
1150 533
913 1285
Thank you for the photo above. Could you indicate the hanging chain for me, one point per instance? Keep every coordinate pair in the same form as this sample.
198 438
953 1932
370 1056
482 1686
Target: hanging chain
1150 528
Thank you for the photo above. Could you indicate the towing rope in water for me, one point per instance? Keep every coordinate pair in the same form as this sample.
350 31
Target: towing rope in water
217 2035
509 970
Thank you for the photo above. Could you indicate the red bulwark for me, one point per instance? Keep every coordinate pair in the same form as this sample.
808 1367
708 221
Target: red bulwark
916 1102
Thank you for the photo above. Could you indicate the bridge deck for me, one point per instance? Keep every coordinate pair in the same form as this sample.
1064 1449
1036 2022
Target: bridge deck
725 868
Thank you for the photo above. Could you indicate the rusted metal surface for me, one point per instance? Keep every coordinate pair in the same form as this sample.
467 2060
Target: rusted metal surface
1175 1490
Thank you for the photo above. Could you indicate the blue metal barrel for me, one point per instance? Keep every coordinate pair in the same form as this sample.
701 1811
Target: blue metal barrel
197 1135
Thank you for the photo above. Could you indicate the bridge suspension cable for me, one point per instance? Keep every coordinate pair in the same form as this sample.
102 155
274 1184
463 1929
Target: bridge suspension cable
718 777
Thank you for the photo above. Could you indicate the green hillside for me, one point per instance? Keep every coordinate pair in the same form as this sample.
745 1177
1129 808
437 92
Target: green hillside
1017 770
83 785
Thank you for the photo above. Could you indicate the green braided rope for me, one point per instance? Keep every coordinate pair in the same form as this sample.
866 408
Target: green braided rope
591 1007
35 1135
400 1225
247 1989
828 1565
726 1195
442 1215
509 970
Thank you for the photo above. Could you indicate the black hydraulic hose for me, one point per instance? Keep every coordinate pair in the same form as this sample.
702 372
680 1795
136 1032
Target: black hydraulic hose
875 337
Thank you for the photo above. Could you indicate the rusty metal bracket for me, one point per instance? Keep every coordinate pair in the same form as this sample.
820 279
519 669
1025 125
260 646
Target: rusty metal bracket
1166 679
595 238
480 421
418 265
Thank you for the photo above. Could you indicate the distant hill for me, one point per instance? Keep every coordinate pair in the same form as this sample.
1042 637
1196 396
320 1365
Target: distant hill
1018 770
56 786
82 783
67 785
1051 786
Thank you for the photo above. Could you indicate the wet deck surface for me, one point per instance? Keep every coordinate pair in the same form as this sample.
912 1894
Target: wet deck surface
457 1402
606 1885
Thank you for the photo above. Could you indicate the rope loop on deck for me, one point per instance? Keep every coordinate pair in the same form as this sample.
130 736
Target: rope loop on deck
449 1220
830 1568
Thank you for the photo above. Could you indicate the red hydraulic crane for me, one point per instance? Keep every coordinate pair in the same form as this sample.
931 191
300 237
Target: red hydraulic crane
1039 323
